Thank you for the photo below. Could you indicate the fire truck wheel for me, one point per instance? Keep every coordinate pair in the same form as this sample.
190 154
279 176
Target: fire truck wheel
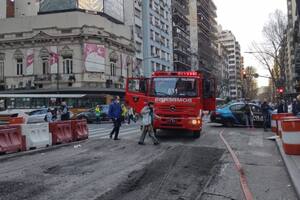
196 134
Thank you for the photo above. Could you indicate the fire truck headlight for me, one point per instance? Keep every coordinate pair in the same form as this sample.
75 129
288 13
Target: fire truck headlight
194 122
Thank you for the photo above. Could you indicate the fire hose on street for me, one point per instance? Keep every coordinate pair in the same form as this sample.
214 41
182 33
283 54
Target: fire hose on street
243 180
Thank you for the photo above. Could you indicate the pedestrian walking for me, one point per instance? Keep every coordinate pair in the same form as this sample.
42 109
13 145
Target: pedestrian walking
265 112
248 113
147 122
131 115
124 112
97 113
114 113
65 114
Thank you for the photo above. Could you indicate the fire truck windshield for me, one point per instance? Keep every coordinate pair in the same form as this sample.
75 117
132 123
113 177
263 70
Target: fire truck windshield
174 87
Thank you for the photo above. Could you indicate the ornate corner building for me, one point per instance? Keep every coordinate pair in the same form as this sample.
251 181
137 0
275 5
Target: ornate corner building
67 51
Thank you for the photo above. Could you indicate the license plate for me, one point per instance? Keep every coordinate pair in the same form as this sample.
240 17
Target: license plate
172 121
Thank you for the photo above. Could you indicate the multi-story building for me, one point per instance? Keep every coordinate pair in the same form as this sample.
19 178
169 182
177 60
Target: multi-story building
181 35
157 36
292 64
228 40
133 18
69 52
203 31
223 74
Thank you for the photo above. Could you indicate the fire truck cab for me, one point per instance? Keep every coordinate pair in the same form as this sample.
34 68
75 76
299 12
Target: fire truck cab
179 98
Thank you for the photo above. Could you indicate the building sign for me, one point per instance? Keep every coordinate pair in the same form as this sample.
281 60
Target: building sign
54 58
91 5
115 9
94 57
29 61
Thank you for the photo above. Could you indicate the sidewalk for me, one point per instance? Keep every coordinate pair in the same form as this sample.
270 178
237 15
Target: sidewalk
292 164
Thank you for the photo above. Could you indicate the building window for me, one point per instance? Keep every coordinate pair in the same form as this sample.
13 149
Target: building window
45 65
19 66
67 64
1 69
113 68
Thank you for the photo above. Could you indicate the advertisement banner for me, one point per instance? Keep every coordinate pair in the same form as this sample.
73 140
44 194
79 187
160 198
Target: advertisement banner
91 5
54 58
94 57
29 61
115 9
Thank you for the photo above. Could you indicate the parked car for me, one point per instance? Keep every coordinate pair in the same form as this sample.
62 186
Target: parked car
233 114
37 116
90 115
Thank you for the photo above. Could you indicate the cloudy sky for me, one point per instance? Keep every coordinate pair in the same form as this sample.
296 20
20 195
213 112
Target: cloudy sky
246 20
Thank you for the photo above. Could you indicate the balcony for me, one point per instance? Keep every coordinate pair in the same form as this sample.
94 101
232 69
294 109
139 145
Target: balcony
182 51
181 6
181 37
42 79
180 16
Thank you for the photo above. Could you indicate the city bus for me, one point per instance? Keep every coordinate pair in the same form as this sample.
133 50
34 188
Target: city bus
27 102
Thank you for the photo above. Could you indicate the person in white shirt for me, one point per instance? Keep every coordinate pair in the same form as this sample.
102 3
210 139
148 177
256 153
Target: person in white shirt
147 121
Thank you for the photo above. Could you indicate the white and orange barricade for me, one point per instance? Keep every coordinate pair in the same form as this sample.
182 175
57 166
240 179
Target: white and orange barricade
277 117
279 123
291 136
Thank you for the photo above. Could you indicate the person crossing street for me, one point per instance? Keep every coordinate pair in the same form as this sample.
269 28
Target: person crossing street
97 113
147 121
114 113
265 112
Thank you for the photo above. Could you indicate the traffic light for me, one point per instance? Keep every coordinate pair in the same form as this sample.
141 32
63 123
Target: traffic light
280 90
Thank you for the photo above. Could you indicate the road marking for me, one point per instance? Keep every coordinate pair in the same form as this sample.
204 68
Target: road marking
105 132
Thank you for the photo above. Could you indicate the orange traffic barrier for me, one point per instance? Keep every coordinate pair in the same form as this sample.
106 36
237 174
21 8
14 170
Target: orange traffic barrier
11 139
276 118
79 130
16 120
61 132
279 131
291 136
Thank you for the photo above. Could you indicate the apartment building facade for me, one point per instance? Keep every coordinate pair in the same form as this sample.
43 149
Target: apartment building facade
228 40
203 34
157 36
181 35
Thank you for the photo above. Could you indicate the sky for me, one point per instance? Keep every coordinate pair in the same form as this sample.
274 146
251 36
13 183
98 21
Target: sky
246 20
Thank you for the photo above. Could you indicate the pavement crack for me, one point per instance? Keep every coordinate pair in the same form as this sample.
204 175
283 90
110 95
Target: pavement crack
219 195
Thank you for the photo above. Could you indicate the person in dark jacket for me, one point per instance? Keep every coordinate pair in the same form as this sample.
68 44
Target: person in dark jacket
248 114
115 113
65 114
294 107
282 107
265 108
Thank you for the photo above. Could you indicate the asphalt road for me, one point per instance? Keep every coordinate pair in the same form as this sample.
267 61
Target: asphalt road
181 168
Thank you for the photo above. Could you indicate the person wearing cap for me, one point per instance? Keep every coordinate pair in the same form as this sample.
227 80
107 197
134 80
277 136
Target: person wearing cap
115 113
147 121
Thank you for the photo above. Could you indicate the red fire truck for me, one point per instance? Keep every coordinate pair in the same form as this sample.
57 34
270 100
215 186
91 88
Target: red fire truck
179 98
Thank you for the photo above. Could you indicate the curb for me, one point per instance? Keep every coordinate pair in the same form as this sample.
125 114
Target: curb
292 169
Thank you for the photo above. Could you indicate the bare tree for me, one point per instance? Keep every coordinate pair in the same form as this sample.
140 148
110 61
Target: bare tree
250 84
269 53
